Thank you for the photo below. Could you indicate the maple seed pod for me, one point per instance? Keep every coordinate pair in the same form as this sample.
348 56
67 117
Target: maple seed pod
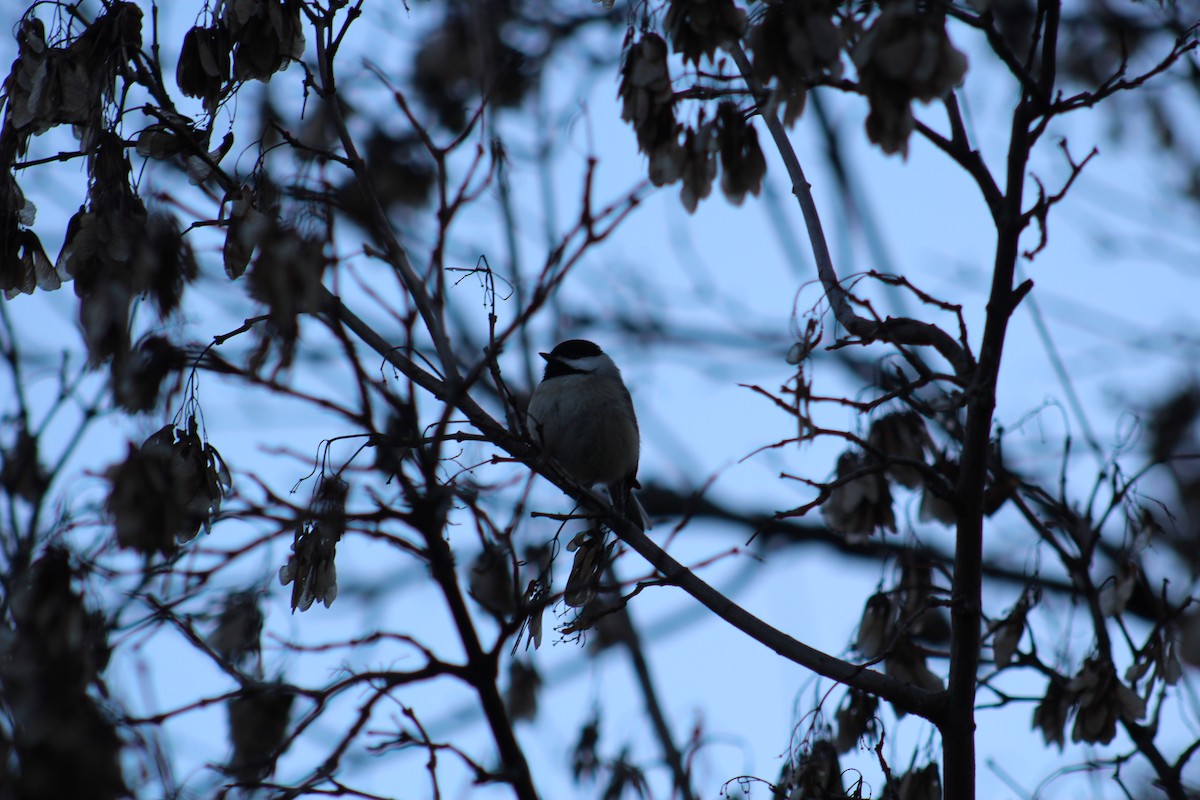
311 568
905 662
904 55
591 557
204 64
858 506
1008 633
855 718
742 162
1116 591
521 699
815 773
796 44
491 581
875 628
1102 699
258 720
698 27
901 435
1050 716
647 102
239 629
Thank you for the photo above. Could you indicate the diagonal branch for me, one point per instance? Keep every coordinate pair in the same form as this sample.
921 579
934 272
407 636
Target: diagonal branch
925 704
899 330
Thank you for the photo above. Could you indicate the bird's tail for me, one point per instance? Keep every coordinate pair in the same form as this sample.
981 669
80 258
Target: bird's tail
627 504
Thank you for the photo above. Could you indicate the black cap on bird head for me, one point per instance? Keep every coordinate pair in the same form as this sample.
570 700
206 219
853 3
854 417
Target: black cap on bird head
558 360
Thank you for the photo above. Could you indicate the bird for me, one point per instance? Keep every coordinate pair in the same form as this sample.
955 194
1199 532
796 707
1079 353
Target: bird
582 416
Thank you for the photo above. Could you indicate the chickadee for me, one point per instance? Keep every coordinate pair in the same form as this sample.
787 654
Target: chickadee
581 415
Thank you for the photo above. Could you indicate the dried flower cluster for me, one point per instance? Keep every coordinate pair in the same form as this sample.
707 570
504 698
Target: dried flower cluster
311 568
238 635
796 45
923 783
1099 699
68 85
138 377
21 471
697 28
63 744
893 623
251 40
24 265
814 772
165 491
855 719
649 105
860 502
286 277
591 559
524 682
898 449
468 56
258 720
491 580
905 55
115 251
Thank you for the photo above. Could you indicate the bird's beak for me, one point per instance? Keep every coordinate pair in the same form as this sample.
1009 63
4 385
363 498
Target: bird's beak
545 356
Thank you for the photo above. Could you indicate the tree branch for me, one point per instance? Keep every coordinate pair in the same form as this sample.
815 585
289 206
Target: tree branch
898 330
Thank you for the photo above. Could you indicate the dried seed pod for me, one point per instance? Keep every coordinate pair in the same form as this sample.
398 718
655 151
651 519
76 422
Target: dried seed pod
266 35
919 784
877 626
901 435
935 507
1008 633
286 277
855 718
311 568
1102 699
53 649
491 580
167 490
204 64
21 471
699 164
796 44
905 662
246 227
258 721
1116 591
1050 716
742 162
521 698
904 55
860 504
137 376
591 557
816 772
647 102
239 630
585 761
699 27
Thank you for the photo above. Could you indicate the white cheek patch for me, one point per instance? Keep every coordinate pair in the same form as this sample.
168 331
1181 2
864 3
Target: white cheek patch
587 364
